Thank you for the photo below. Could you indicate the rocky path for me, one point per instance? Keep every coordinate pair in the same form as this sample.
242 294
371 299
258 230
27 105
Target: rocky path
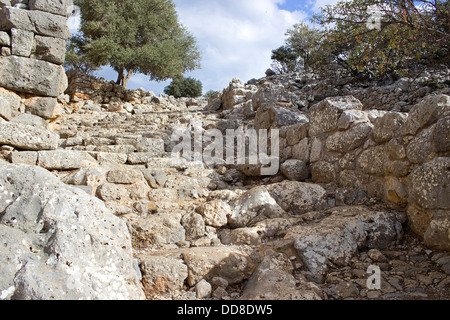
217 232
214 233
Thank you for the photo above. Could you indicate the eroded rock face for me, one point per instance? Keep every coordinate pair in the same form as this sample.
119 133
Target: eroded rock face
60 243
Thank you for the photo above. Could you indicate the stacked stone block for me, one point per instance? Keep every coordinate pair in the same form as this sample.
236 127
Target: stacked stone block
33 36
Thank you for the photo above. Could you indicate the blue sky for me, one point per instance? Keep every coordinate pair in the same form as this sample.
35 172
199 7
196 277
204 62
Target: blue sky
235 37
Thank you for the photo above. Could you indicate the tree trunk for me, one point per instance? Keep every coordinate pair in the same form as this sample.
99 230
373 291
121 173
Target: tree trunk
121 72
127 78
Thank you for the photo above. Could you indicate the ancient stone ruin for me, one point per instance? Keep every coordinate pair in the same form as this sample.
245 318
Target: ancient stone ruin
94 205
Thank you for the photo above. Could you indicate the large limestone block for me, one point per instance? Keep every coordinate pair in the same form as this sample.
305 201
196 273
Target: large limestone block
27 137
21 42
32 76
337 238
59 243
298 197
59 7
234 264
38 22
325 115
273 280
426 112
429 203
47 108
163 273
49 49
64 159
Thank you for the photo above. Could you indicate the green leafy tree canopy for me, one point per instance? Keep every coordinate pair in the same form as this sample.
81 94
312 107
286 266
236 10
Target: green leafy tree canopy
137 36
184 87
382 38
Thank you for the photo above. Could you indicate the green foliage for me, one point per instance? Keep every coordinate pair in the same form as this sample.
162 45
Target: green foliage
184 87
137 36
302 46
409 33
75 59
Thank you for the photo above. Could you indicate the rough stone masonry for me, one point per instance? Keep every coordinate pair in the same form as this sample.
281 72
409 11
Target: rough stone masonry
33 36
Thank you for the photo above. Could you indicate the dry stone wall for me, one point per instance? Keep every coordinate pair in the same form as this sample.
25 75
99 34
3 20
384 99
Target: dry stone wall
33 36
401 158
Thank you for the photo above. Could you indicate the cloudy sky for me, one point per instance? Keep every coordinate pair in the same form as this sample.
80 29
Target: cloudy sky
235 37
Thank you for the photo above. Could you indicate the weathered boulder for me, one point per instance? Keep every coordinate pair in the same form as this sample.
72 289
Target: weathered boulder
298 197
255 205
60 243
161 274
426 112
295 170
273 280
233 264
26 137
160 229
215 212
335 239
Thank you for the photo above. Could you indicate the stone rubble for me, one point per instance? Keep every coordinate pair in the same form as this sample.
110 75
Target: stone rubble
93 204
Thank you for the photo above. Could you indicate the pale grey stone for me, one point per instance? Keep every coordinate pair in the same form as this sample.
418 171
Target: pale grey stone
298 197
273 280
231 263
41 23
59 243
203 289
159 229
336 239
27 137
5 39
162 274
21 42
64 159
24 157
124 176
325 115
49 49
254 205
59 7
47 108
32 76
31 120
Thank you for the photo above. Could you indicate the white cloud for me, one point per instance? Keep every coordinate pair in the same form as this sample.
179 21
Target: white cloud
235 37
